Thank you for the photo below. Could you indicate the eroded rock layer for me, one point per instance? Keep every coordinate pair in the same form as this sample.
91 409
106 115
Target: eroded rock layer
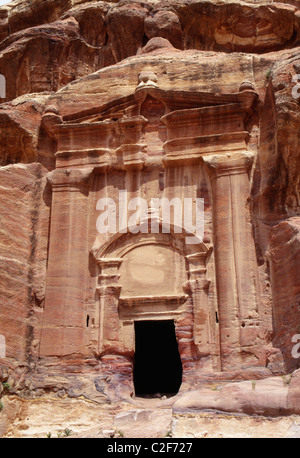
117 107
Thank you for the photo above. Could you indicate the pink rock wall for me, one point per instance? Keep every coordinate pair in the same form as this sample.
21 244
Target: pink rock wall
76 65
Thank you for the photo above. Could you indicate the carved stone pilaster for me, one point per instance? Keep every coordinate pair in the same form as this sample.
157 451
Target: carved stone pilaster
109 293
199 286
236 269
67 263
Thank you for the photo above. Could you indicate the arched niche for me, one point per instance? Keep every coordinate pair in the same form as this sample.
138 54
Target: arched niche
154 269
150 276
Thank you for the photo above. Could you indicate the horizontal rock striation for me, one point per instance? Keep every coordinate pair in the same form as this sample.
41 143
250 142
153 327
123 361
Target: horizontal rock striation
177 99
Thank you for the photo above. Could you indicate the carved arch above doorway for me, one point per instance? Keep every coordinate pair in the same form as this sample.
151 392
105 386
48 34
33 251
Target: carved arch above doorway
128 291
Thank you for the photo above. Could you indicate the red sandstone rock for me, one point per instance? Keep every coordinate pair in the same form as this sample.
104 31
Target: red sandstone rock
284 243
268 397
165 99
164 24
293 399
77 41
20 129
24 233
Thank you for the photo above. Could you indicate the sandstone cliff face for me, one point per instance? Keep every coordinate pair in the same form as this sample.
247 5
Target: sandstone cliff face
47 45
70 64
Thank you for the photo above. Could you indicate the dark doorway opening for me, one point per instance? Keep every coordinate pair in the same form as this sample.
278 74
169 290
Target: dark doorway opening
157 363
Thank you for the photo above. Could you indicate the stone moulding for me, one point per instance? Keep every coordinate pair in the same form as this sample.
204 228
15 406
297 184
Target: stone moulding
115 103
121 141
191 114
170 301
155 306
192 149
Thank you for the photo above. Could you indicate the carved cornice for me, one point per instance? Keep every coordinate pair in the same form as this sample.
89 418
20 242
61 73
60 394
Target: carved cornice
98 157
132 155
205 118
178 100
167 300
190 149
197 123
198 260
68 179
229 164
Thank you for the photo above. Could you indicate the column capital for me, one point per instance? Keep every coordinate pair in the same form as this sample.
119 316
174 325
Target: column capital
69 178
199 284
229 163
197 261
107 263
133 155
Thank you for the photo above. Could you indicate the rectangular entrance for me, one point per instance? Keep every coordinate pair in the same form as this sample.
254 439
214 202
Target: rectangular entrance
157 363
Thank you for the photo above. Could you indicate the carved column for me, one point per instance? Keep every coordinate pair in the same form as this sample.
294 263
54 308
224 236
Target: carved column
199 288
109 293
236 269
132 150
63 321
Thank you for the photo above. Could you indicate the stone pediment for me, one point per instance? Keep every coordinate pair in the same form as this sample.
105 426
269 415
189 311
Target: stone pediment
172 99
188 124
175 237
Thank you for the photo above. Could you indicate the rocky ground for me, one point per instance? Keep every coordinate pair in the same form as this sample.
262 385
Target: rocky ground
267 408
78 418
60 46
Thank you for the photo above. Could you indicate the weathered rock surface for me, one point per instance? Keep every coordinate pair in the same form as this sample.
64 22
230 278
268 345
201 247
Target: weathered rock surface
144 422
268 397
202 413
47 46
24 239
20 129
285 242
177 98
